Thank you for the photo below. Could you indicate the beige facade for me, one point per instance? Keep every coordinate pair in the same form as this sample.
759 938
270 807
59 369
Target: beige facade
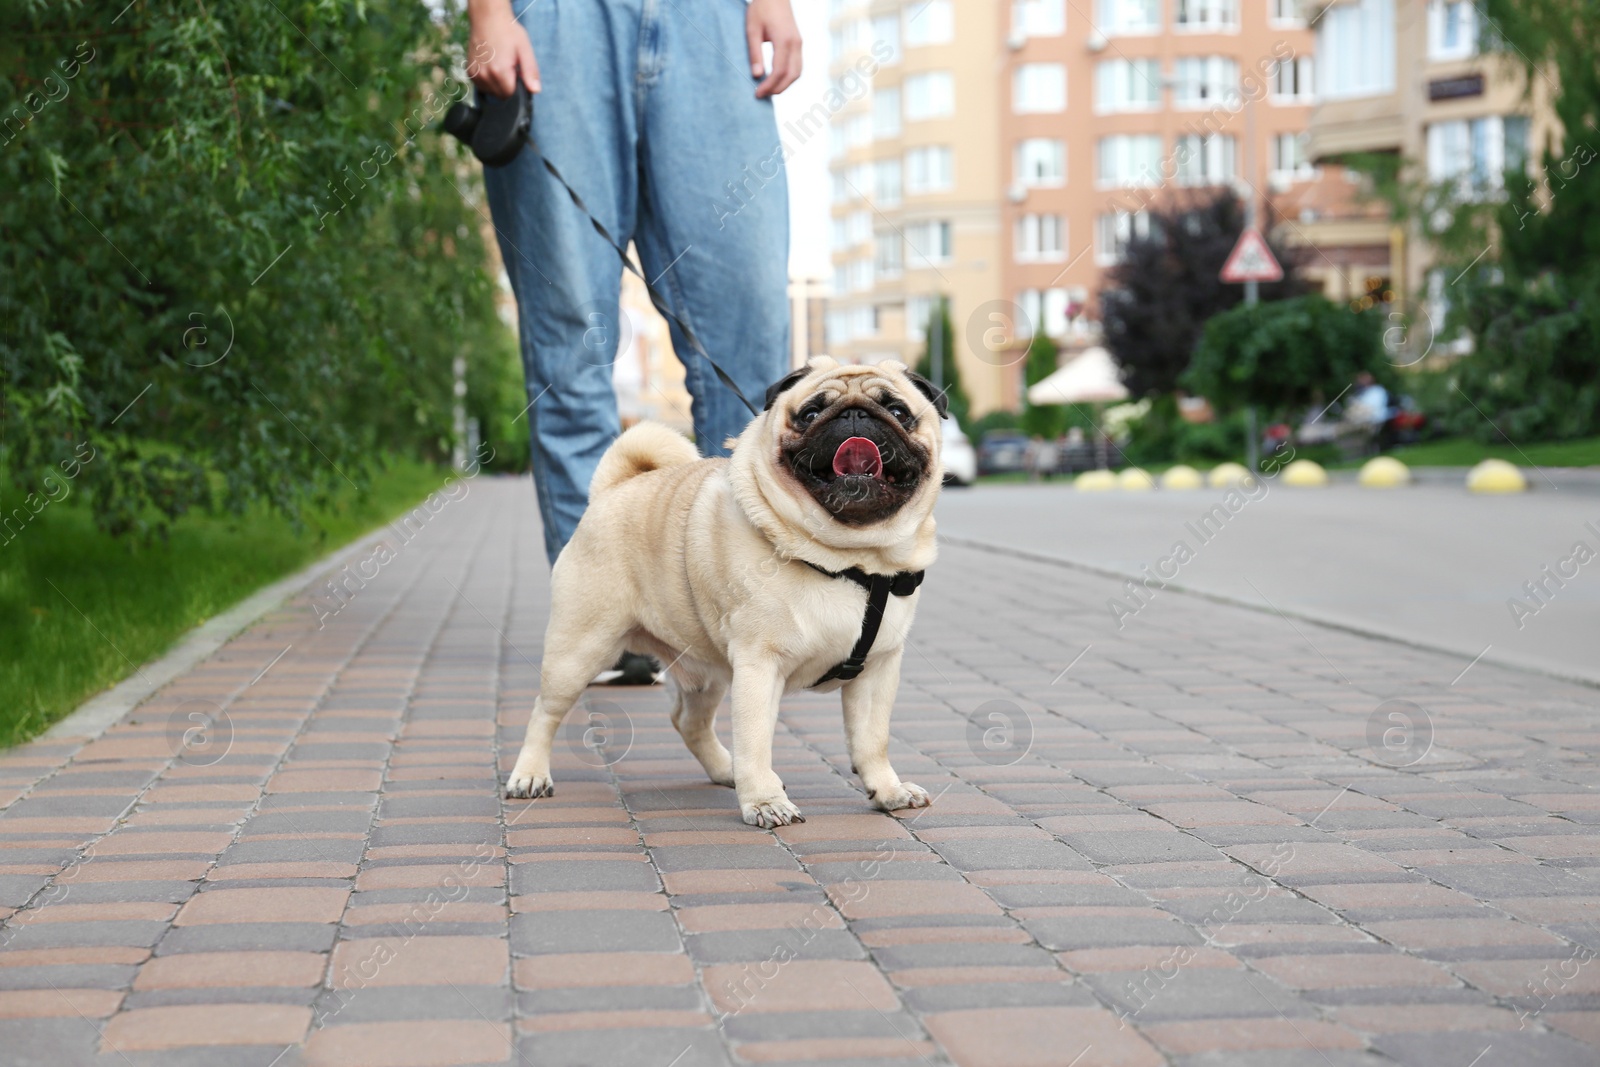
1165 100
917 179
1407 78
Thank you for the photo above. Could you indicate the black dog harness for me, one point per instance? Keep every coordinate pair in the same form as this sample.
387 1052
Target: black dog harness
878 587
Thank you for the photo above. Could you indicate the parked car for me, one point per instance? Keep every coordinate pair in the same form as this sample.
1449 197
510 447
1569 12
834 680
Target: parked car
1002 451
960 461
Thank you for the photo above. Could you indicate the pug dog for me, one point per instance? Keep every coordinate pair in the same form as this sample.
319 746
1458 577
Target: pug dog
755 574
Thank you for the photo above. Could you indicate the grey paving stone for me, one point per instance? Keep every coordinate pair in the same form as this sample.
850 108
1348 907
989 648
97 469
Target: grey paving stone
762 856
294 850
647 1047
904 871
1289 1057
384 1003
1520 1048
556 876
739 946
1011 854
1139 846
797 1025
1109 932
1065 993
1036 896
49 1042
153 998
137 932
68 976
1197 993
960 954
248 937
353 821
451 833
594 931
401 807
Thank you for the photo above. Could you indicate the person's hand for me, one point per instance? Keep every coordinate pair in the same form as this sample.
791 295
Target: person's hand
771 20
498 49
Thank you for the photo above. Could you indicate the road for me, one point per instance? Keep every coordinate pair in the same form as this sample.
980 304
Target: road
1430 564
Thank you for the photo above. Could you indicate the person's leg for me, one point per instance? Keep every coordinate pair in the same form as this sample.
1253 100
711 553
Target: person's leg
565 277
713 206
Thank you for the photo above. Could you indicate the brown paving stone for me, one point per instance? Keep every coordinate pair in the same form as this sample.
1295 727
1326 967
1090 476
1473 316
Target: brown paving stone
189 1025
250 871
37 957
58 1003
444 911
1352 971
1460 933
475 851
836 1048
826 826
410 1043
573 835
333 780
799 985
885 897
428 960
668 838
161 842
1244 1035
1565 975
205 970
1583 1025
916 977
1284 933
433 876
1388 895
1040 1037
285 904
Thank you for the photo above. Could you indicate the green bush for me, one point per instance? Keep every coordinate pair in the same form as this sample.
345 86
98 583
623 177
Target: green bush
1282 356
234 252
1162 436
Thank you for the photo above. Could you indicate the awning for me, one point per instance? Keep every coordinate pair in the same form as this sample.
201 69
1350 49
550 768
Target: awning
1090 378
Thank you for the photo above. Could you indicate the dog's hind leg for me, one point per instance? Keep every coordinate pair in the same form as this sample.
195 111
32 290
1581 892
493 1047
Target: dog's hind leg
694 715
571 661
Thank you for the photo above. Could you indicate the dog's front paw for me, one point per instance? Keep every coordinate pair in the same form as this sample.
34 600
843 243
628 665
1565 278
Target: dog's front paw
769 813
905 795
529 786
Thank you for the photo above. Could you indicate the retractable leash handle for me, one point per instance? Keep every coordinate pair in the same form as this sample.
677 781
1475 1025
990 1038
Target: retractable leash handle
496 130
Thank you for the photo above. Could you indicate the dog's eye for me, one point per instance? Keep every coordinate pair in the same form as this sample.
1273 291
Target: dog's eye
807 416
899 410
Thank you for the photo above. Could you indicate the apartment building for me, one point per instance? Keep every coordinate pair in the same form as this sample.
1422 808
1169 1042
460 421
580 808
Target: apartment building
1117 106
917 179
1408 77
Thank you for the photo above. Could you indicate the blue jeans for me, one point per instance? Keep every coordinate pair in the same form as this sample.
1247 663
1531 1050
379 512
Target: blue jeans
649 110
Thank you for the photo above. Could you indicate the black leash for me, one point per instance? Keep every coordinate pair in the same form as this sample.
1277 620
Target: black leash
878 587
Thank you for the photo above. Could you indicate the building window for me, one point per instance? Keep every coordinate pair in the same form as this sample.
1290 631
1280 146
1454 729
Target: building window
1041 162
886 29
1039 88
1130 160
1452 29
1116 17
1204 81
930 22
1205 160
930 96
1356 45
850 36
1291 81
1476 153
1288 13
886 113
886 177
1207 16
929 243
1113 231
930 170
919 309
1289 159
1040 239
1039 18
1127 85
887 257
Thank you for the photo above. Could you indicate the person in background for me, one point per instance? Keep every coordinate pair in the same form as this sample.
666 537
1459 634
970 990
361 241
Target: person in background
661 117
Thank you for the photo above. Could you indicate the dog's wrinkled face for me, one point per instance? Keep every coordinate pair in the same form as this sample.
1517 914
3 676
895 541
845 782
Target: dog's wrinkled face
861 440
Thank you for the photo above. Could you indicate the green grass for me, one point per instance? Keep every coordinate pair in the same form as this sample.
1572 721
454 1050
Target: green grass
1461 452
78 609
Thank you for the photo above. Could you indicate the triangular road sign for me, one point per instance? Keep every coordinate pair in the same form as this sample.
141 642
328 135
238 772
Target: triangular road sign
1251 260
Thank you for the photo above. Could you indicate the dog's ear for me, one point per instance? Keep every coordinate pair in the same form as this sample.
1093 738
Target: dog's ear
782 385
937 397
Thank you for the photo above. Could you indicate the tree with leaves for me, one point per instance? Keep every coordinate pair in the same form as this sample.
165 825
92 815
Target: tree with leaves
1041 420
939 328
1157 299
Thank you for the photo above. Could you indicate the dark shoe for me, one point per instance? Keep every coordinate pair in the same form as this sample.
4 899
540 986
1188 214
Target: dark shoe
632 669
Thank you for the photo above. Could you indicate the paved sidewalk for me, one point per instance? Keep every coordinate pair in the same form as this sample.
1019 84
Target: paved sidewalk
1212 837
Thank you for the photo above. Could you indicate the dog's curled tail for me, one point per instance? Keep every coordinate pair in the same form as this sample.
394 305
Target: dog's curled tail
649 446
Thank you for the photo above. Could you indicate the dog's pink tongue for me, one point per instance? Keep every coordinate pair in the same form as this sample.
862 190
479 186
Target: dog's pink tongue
858 455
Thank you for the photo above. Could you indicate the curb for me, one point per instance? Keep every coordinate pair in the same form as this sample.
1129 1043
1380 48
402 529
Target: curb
100 712
1360 628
